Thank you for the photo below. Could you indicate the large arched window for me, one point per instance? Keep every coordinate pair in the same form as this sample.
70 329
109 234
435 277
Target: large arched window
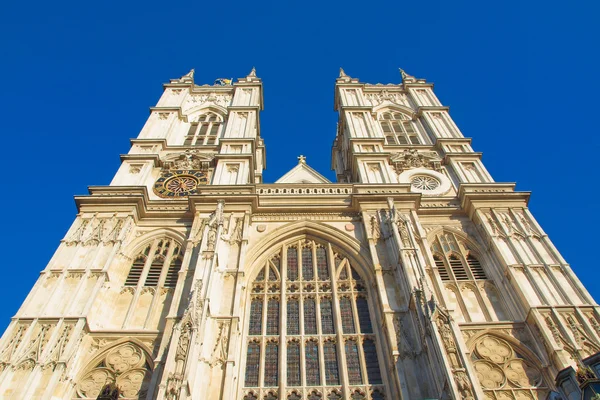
157 265
471 294
205 131
398 129
309 329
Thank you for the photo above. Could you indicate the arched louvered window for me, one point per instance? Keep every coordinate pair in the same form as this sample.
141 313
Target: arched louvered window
157 265
398 129
297 320
458 268
204 131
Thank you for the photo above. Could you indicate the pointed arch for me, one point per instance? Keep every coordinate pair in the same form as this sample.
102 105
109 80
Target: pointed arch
126 362
198 110
137 245
354 250
306 320
388 106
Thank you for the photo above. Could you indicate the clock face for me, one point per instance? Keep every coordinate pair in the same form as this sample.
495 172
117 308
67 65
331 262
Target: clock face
179 183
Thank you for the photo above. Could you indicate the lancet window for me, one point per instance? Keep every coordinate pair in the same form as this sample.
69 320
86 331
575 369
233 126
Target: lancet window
157 265
308 315
471 294
204 131
398 129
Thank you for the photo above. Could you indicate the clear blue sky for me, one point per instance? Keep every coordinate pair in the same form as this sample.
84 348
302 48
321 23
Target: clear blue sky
520 77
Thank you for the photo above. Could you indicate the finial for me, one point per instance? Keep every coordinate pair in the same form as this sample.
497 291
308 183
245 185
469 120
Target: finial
189 74
403 73
407 78
301 159
253 72
342 73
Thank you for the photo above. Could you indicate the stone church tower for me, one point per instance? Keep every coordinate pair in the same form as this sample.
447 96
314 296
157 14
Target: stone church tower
415 276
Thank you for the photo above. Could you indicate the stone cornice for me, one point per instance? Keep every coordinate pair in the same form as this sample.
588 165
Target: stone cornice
485 195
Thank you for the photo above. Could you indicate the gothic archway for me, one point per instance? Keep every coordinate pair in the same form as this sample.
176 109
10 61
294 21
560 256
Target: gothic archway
309 326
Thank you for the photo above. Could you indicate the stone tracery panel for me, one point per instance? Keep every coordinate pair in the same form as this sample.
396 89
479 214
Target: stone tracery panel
504 373
126 365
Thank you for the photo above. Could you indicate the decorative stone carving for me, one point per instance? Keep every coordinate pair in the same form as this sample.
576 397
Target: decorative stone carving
555 333
125 365
96 230
414 159
221 344
375 228
191 160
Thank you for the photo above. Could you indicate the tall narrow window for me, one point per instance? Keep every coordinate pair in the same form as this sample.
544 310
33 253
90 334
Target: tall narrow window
347 315
205 131
353 363
439 263
293 320
310 316
165 260
293 364
256 316
460 274
271 364
398 129
332 376
322 268
307 264
252 364
373 373
313 374
476 268
364 319
292 264
327 317
136 271
273 317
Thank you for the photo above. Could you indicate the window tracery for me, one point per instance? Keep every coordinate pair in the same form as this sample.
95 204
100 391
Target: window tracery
311 326
398 129
126 365
204 131
472 295
505 373
160 269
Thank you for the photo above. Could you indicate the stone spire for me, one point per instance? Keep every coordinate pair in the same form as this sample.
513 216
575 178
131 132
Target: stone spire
252 73
343 74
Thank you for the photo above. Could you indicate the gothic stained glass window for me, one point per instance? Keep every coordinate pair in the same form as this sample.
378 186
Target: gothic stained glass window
310 317
353 363
306 326
326 317
293 364
371 362
364 319
293 320
252 364
322 268
256 316
292 264
273 317
347 317
313 374
271 364
307 264
332 376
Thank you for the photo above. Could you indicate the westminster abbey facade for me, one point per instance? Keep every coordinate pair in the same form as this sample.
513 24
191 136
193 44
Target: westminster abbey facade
414 276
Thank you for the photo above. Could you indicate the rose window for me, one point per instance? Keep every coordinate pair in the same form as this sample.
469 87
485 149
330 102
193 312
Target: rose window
424 183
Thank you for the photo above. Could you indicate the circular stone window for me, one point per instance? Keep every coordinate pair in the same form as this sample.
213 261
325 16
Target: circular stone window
424 183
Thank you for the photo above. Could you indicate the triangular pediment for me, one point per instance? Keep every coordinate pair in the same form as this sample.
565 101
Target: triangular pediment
302 173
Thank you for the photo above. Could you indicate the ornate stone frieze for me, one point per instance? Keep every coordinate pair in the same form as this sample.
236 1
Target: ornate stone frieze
95 230
343 216
414 159
190 160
